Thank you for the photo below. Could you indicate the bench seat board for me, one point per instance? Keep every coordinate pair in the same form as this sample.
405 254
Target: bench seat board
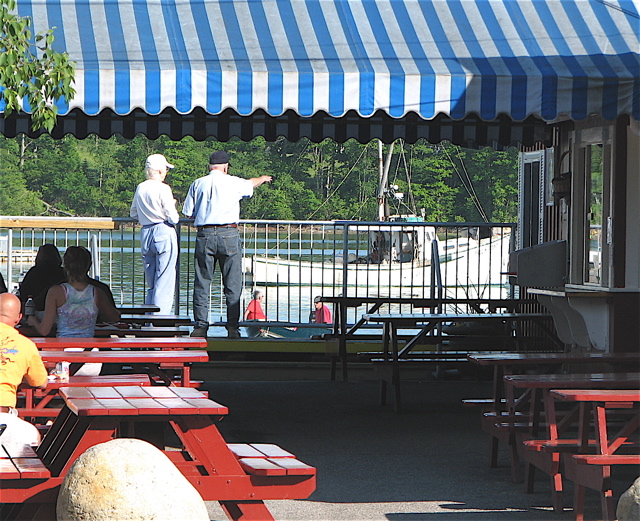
272 451
607 459
294 467
262 467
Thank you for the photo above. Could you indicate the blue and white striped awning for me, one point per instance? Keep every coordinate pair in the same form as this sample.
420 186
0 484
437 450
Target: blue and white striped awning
252 67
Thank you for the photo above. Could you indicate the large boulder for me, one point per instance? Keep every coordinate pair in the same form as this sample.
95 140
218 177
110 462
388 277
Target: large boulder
127 479
629 503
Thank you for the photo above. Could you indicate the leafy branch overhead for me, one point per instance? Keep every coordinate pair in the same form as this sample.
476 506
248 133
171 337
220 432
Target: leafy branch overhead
31 70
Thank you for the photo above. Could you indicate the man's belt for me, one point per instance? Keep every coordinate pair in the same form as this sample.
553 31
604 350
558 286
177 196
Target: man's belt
232 225
156 224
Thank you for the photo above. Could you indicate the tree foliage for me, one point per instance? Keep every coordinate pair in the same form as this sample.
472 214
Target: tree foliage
311 181
31 69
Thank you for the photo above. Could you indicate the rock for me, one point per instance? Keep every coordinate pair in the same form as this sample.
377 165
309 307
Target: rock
629 503
127 480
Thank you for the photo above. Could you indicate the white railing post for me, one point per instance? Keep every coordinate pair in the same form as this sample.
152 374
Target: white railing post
9 259
95 257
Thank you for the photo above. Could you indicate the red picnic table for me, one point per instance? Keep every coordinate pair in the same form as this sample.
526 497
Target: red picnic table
591 467
507 363
177 343
428 323
530 428
239 476
153 363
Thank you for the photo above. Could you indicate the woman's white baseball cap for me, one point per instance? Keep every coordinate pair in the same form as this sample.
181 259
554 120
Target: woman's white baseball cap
157 162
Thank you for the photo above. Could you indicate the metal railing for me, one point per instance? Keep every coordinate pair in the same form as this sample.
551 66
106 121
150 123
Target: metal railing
291 261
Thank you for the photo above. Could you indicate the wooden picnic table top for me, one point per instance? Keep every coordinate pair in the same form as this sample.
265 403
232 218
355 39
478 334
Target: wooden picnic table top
156 320
596 395
128 401
425 302
137 308
38 401
123 329
528 358
418 318
122 343
124 357
553 381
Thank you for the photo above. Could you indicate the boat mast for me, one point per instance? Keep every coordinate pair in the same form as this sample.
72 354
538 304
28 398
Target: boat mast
383 166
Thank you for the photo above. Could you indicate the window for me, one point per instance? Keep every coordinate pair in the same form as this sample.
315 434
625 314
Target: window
535 192
594 215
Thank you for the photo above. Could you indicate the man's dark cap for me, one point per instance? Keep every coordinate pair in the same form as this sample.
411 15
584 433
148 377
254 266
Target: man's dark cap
219 158
317 299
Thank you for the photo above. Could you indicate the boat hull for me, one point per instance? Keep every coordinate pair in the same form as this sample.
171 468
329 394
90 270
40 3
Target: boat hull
480 265
284 332
273 271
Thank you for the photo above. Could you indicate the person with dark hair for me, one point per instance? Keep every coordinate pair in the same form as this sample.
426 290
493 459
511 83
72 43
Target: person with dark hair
46 272
213 202
74 305
3 286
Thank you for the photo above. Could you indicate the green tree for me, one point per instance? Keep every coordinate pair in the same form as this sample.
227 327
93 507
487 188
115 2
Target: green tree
42 80
432 182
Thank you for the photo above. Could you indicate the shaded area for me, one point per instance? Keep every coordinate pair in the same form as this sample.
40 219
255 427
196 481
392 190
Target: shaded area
431 462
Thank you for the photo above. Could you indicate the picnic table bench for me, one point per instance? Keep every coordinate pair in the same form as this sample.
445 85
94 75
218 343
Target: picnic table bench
239 476
427 323
153 363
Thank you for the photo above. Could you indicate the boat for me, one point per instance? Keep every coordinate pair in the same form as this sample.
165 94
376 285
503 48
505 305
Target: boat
276 332
394 256
397 251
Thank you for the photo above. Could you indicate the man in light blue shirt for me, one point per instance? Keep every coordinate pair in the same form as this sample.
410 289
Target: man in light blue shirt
213 202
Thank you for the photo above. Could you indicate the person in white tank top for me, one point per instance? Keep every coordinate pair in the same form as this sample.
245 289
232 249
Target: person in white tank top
75 304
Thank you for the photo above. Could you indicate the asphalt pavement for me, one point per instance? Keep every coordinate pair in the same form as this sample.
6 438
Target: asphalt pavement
429 463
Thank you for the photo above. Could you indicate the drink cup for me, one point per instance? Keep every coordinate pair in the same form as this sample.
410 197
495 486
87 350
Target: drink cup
62 370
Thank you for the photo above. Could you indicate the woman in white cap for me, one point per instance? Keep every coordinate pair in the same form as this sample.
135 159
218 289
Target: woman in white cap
155 208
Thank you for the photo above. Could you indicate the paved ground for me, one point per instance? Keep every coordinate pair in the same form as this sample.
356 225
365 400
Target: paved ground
428 463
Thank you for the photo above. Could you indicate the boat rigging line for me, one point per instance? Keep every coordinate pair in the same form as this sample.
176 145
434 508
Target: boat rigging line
467 183
310 218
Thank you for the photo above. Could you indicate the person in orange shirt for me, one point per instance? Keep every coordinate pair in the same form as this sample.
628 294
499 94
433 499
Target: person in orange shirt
19 362
254 309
